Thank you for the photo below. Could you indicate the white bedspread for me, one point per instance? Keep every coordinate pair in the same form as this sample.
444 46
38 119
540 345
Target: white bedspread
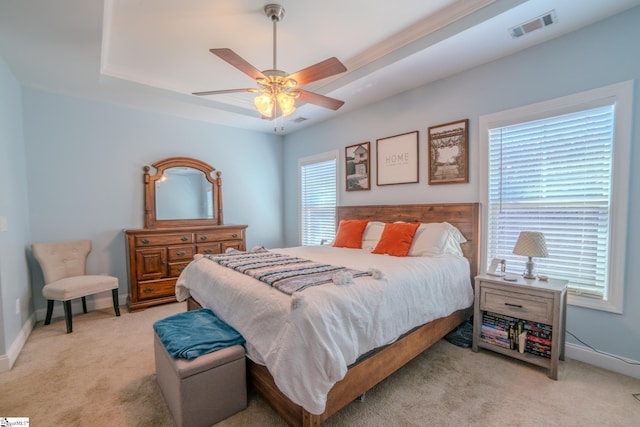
308 340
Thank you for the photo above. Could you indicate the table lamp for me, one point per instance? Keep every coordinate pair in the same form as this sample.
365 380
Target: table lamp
530 244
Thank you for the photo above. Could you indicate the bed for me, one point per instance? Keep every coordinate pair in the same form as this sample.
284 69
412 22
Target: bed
363 363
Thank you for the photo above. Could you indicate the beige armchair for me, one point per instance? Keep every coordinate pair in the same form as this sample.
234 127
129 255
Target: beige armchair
63 265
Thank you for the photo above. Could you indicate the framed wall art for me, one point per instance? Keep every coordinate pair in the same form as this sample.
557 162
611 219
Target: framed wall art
397 159
358 166
449 153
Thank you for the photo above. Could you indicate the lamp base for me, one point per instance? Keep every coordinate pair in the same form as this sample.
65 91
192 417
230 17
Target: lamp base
528 273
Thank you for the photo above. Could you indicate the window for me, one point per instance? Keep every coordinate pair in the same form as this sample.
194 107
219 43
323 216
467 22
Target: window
318 198
562 168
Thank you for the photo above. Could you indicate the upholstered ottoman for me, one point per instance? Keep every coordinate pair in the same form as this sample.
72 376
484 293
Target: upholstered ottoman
204 390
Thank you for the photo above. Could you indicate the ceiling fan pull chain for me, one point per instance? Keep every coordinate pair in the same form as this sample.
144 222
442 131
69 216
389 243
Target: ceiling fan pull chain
281 123
275 116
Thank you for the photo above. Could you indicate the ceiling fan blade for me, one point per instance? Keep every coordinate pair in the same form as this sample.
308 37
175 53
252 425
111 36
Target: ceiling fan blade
218 92
321 100
321 70
234 59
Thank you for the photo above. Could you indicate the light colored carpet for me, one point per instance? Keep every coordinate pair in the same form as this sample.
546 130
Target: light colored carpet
103 375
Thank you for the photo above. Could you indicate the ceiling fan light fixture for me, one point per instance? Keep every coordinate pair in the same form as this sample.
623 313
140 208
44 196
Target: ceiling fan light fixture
278 90
264 103
286 102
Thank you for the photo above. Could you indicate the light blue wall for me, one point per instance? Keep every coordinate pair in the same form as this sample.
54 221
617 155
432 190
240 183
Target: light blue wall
14 283
84 166
596 56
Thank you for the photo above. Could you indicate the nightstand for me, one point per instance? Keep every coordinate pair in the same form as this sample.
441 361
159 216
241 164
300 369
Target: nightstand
503 310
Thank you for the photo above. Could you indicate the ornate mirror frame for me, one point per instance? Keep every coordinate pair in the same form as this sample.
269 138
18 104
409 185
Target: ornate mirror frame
150 215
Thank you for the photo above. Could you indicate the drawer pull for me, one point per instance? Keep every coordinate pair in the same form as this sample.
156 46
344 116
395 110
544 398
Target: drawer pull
513 305
163 262
180 253
145 241
208 251
203 237
147 290
184 238
234 235
180 269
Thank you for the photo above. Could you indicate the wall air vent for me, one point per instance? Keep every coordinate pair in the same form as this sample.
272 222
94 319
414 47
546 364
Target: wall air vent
533 24
299 119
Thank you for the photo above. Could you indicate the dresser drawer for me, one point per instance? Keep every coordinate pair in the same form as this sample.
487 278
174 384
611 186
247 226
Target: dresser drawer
209 249
156 289
214 235
181 253
175 268
522 306
235 244
163 239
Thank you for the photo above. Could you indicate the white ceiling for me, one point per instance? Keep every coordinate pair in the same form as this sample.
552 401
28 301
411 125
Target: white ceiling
153 54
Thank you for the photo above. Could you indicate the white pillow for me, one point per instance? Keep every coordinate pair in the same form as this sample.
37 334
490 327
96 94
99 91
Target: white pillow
372 234
437 239
453 242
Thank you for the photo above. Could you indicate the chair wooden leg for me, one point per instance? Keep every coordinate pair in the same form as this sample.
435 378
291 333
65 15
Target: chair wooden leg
116 304
67 315
49 311
84 304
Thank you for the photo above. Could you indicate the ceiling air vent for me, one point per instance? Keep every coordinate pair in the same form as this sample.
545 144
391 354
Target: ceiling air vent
299 119
534 24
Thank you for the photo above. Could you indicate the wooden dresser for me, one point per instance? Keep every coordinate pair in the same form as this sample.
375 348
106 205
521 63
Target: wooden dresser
157 256
182 217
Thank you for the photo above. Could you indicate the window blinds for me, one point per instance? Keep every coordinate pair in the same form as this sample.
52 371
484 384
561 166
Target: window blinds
318 202
554 176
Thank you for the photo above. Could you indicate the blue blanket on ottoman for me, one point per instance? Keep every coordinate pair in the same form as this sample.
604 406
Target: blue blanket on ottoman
194 333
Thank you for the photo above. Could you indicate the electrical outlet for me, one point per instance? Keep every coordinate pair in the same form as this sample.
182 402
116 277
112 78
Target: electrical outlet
4 223
18 306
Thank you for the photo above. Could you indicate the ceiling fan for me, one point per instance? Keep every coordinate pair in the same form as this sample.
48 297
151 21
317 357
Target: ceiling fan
277 90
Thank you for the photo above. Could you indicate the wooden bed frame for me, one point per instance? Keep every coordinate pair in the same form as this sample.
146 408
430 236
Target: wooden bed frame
370 370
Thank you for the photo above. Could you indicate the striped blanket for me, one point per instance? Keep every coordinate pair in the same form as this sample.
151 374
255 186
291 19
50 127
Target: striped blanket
285 273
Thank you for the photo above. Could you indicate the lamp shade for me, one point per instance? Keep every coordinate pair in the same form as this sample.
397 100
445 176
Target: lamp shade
531 244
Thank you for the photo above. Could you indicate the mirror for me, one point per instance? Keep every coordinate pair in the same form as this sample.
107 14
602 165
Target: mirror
183 192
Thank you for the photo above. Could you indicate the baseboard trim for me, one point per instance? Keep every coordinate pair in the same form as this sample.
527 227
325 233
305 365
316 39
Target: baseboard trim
603 360
7 360
95 302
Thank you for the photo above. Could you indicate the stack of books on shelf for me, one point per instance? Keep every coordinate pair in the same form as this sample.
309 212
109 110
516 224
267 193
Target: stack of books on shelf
507 332
495 329
538 339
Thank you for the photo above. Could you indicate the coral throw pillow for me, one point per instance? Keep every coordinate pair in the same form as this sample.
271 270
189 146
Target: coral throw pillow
350 233
396 239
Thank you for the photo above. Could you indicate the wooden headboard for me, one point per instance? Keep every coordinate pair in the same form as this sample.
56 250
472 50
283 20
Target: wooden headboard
465 216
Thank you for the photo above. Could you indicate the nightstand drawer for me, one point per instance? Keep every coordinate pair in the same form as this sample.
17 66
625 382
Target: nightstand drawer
525 306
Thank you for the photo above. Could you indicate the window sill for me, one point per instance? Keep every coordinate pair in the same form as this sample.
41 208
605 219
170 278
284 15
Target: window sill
594 303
